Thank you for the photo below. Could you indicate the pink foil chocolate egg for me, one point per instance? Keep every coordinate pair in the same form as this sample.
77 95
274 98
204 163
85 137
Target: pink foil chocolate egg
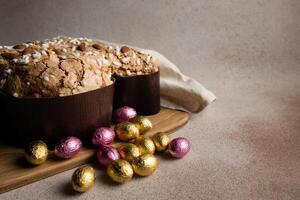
124 113
103 136
68 147
107 155
179 147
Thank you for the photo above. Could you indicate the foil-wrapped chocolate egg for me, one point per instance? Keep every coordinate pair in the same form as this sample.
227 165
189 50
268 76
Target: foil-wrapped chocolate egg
83 178
146 145
129 151
161 141
103 136
124 113
120 171
36 152
142 123
145 165
107 154
179 147
127 131
68 147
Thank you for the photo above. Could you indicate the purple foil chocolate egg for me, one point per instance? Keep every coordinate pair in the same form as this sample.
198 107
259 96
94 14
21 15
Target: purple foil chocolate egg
107 155
103 136
179 147
124 113
68 147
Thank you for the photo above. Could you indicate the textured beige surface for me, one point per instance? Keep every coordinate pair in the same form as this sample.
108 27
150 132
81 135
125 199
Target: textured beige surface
246 145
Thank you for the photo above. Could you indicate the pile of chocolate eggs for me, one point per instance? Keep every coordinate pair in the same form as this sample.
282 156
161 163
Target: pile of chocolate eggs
132 154
135 153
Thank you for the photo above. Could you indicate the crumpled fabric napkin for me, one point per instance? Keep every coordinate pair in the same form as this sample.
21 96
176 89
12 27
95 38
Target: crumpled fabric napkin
177 91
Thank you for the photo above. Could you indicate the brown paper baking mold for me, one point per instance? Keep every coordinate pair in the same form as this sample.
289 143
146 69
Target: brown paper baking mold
141 92
51 119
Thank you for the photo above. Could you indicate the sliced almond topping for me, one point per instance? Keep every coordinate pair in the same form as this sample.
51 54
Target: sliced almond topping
36 55
22 60
104 61
117 63
125 60
44 53
45 46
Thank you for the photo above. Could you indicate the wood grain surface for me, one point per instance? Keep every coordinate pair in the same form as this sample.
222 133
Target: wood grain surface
15 172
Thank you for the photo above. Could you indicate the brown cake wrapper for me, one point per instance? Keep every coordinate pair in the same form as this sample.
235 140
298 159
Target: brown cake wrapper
140 92
51 119
23 120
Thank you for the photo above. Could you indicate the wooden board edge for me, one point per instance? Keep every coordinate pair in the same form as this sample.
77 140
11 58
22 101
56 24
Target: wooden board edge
40 174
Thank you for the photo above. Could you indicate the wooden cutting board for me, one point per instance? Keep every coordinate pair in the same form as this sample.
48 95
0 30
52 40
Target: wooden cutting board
15 172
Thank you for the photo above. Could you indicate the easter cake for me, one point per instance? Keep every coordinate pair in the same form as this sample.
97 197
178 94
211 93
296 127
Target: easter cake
69 86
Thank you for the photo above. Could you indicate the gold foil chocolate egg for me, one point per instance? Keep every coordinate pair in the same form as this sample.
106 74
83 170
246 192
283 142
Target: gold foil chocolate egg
83 178
142 123
146 145
129 151
161 141
145 165
36 153
127 131
120 171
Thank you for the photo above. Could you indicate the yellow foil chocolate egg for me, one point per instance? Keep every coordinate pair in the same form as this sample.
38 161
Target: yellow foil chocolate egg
83 178
120 171
161 141
129 151
145 165
127 131
36 153
142 123
146 145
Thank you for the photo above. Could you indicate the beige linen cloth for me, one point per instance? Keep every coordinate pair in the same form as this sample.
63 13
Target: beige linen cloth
177 91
